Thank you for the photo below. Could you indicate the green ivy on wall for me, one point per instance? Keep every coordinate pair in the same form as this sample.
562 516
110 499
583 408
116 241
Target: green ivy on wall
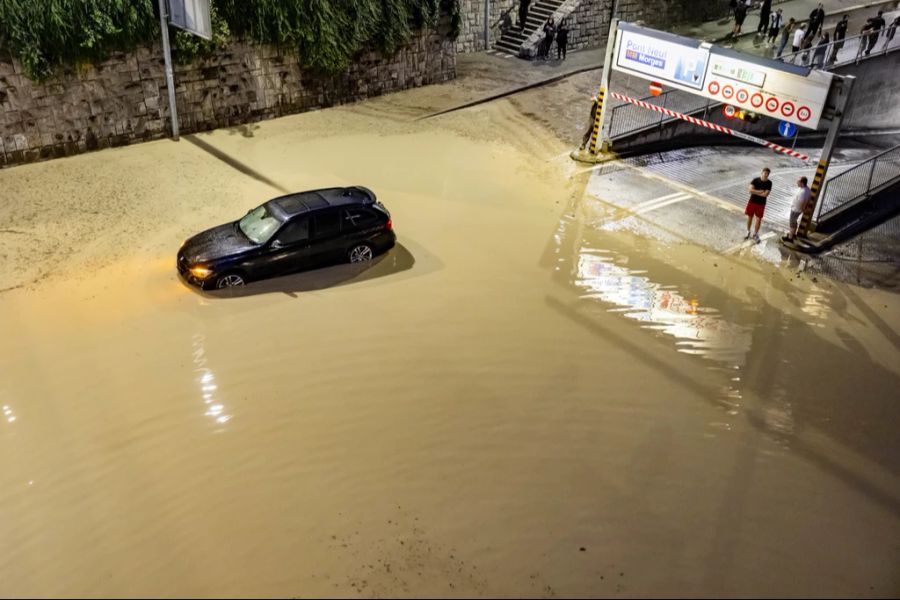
46 34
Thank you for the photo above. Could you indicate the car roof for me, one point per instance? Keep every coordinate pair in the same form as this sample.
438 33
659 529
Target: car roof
291 205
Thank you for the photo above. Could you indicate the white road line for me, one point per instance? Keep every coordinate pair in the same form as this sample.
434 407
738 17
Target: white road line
749 243
659 203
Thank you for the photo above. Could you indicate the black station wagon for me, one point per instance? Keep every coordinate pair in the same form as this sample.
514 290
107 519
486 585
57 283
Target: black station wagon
288 234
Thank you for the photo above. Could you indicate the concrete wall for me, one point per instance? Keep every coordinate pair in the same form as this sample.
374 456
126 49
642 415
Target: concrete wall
876 93
123 99
471 30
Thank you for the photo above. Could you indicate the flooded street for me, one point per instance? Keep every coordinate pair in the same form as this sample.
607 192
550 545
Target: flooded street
520 399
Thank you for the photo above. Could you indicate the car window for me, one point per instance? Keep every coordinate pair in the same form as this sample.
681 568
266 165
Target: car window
328 223
295 231
359 218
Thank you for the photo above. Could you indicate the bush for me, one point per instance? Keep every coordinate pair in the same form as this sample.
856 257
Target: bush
45 34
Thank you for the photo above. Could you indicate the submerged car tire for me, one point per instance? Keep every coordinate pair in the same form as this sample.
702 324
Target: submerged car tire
360 253
229 280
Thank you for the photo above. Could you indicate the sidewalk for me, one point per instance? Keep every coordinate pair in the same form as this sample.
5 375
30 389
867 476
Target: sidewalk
719 31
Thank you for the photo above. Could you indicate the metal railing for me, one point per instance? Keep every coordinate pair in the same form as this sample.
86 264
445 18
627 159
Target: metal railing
841 52
627 118
859 182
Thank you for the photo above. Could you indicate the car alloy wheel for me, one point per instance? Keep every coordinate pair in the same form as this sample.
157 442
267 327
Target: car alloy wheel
361 253
230 280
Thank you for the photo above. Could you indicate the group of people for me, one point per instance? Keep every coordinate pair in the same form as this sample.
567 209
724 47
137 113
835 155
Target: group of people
553 32
759 189
818 47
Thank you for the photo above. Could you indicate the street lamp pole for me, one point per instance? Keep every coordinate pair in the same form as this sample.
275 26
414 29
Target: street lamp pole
170 78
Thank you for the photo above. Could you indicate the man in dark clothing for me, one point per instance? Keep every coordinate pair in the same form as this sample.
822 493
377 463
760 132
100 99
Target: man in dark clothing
740 13
765 9
876 25
760 188
549 34
840 32
523 12
816 18
562 38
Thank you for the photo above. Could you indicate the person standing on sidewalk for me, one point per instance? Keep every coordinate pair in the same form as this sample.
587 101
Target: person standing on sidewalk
523 13
760 188
840 32
821 49
891 31
816 19
799 36
776 20
786 34
740 13
562 39
798 205
765 9
876 25
549 34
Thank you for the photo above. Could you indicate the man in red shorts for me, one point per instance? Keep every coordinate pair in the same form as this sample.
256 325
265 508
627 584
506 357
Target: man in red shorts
760 188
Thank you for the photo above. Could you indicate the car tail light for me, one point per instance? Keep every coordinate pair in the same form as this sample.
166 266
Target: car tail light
389 225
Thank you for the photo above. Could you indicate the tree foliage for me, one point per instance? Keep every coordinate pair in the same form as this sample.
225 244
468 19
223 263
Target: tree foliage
327 34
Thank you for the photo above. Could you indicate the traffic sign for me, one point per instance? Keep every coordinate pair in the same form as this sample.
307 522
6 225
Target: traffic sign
655 88
729 111
787 129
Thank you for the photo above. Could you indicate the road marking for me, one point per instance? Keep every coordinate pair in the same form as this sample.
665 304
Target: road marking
659 203
749 243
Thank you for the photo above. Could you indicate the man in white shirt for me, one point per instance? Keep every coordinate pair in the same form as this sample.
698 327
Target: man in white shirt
798 205
799 34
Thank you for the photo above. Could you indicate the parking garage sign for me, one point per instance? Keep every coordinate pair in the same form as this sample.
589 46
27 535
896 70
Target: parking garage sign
764 86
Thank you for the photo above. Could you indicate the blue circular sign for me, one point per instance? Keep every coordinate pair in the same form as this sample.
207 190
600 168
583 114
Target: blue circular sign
787 129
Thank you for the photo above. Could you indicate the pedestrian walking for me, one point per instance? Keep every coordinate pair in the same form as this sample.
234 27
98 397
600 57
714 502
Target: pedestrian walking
786 33
765 9
798 205
562 39
740 13
776 20
797 42
760 188
840 32
821 49
876 25
523 12
590 129
816 19
891 31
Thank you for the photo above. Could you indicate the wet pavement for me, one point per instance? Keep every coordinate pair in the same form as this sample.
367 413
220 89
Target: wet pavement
549 388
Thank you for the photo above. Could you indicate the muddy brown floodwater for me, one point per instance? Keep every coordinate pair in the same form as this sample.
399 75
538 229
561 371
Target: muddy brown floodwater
513 402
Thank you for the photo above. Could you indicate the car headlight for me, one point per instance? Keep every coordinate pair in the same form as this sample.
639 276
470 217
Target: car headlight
201 272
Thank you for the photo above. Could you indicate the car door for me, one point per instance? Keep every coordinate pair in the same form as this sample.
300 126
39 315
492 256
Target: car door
327 244
289 249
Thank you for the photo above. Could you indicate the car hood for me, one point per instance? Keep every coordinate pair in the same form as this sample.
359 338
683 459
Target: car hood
219 242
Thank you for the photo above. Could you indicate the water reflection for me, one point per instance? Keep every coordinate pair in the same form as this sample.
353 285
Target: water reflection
698 330
214 409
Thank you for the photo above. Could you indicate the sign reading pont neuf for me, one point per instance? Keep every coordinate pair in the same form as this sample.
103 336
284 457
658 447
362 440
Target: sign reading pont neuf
764 86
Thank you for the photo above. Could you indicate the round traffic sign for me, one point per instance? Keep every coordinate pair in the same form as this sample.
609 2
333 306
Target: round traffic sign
727 92
772 104
714 87
756 100
787 129
787 109
742 96
729 111
803 113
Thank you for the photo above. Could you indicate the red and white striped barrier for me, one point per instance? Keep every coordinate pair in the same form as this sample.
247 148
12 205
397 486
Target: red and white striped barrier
712 126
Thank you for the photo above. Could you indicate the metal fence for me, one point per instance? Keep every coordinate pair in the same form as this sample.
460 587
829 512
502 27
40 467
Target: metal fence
851 49
859 182
627 118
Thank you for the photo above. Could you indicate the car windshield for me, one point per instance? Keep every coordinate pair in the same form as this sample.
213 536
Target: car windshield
259 225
